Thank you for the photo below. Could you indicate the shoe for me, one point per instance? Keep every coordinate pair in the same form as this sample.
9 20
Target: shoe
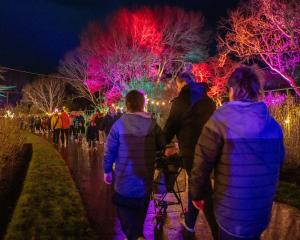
182 222
187 232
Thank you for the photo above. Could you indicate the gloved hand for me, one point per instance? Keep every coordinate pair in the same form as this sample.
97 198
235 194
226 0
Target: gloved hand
199 204
108 178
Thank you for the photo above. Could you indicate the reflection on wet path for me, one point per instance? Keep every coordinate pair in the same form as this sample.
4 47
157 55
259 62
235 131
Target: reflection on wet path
86 168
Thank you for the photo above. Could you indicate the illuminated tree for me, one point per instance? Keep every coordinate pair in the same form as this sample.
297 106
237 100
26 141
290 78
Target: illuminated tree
184 39
74 67
268 30
144 43
215 75
45 93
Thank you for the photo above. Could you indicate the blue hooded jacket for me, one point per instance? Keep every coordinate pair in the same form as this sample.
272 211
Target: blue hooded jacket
132 144
243 144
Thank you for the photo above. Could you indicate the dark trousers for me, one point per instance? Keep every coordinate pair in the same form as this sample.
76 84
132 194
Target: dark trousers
192 213
225 236
132 214
56 135
92 143
64 134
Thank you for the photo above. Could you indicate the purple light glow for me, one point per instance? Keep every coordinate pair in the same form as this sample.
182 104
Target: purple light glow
274 99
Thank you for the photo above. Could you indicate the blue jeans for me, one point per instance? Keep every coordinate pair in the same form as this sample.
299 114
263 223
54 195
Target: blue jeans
132 214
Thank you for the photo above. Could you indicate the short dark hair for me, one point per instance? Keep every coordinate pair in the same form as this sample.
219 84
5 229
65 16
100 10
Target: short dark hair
245 83
135 101
185 77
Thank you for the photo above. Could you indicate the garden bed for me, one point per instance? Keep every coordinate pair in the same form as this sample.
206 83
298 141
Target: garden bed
288 190
11 182
49 206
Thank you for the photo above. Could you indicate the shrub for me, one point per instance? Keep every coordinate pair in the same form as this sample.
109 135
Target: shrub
11 140
288 116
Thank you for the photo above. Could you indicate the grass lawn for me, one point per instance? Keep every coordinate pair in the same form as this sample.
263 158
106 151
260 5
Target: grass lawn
49 206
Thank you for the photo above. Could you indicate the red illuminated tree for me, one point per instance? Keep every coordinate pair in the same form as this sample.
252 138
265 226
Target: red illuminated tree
268 30
144 43
125 51
216 75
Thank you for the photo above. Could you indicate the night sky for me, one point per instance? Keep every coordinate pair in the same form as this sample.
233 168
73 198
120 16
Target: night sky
35 34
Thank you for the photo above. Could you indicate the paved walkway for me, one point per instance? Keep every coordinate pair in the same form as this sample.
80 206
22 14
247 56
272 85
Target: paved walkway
86 168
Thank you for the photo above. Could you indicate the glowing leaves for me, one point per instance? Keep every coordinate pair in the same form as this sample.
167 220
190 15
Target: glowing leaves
215 75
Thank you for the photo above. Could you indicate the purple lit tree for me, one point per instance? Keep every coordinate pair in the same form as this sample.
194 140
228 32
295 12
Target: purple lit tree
268 30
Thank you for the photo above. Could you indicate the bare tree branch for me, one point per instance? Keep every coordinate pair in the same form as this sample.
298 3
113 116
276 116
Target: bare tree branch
264 29
45 93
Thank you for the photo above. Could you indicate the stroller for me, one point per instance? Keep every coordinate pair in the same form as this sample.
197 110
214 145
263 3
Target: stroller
167 171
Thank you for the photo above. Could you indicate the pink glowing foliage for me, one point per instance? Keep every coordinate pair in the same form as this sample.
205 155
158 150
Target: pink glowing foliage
113 96
215 75
273 99
94 80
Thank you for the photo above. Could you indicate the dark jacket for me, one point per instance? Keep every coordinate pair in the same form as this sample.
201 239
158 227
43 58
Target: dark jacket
91 133
131 145
107 122
189 112
99 121
244 146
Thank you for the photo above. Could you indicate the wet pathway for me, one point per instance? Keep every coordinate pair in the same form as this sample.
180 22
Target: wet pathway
86 168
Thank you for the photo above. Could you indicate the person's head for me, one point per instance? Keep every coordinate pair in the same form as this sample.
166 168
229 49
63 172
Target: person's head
244 84
135 101
98 112
183 79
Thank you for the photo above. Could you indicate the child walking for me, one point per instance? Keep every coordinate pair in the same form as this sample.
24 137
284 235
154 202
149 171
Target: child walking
131 145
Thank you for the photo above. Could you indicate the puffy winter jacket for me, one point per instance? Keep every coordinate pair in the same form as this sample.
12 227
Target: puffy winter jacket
132 144
65 120
244 146
189 112
56 122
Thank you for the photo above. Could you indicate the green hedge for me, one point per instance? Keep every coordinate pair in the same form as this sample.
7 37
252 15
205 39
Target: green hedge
49 206
288 193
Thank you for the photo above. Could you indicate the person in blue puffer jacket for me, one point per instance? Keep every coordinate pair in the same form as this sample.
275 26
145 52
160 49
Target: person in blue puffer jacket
131 145
243 145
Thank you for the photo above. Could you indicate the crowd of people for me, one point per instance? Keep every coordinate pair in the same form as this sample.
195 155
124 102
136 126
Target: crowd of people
232 156
78 126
